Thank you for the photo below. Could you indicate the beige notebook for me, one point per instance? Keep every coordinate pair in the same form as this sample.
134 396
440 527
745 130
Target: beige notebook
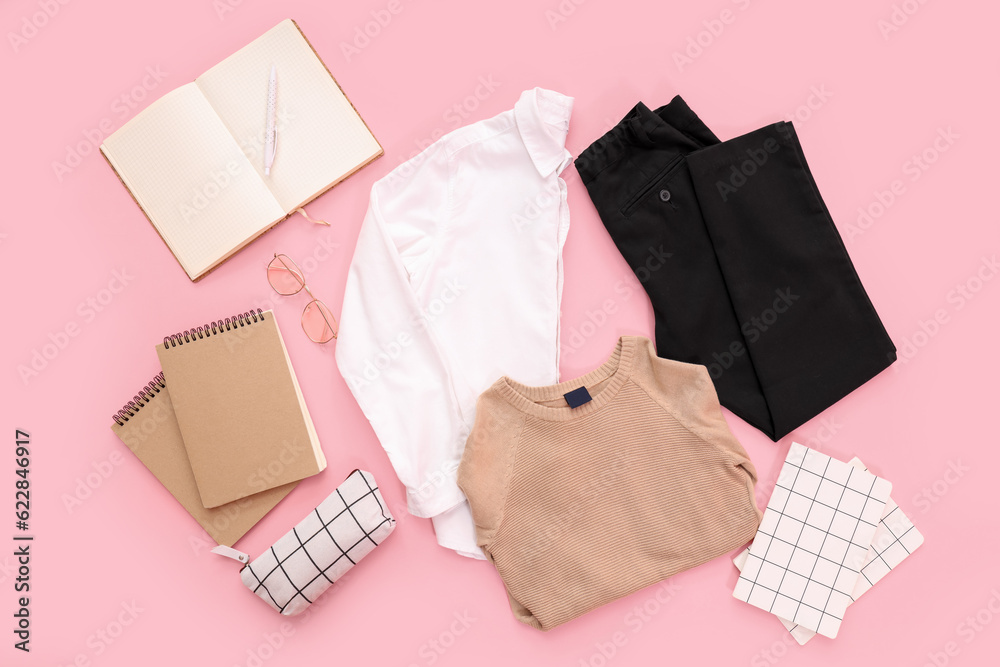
148 427
244 422
194 159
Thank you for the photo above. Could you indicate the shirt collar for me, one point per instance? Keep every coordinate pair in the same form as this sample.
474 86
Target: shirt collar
542 118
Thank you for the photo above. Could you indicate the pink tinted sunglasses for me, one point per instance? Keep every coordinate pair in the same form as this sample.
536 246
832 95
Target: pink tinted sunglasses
286 278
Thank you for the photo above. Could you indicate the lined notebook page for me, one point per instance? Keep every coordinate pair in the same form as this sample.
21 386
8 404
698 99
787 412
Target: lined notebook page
321 138
191 178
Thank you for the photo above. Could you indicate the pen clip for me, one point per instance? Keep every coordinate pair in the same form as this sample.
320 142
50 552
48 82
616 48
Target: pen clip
274 141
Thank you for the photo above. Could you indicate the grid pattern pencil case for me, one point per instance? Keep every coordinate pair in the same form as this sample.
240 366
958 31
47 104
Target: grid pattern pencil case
341 531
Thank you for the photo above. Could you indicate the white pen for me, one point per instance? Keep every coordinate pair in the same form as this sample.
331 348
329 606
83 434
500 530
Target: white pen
271 133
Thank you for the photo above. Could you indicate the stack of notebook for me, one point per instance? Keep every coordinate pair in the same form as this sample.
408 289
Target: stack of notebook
830 533
224 427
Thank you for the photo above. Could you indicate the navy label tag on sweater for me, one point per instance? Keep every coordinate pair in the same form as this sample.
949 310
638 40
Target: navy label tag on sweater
577 397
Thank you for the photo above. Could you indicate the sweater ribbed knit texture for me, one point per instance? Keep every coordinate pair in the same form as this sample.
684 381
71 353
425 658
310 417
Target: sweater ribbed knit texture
577 507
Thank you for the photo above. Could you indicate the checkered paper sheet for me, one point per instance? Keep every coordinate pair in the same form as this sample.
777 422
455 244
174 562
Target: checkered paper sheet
813 540
895 538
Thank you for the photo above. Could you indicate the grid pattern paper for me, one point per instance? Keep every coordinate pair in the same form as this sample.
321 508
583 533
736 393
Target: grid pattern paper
341 531
813 540
895 538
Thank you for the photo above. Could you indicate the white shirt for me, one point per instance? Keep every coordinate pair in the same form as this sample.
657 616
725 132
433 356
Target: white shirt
457 280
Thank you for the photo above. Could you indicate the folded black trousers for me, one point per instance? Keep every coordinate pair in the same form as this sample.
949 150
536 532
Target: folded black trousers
741 260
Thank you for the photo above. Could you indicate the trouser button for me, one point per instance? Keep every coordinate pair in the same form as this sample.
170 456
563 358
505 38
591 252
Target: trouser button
664 195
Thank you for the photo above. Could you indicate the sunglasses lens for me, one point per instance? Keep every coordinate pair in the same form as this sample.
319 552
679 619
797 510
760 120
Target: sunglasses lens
318 322
285 277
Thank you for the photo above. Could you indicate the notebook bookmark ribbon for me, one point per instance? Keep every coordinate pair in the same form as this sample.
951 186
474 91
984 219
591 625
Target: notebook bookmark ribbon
302 210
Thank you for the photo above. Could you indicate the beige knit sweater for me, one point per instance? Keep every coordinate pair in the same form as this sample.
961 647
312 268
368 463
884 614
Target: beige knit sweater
577 507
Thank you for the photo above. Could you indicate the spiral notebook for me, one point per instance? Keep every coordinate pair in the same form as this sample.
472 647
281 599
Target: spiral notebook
239 408
148 427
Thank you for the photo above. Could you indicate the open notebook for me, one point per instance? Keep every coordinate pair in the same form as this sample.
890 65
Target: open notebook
193 160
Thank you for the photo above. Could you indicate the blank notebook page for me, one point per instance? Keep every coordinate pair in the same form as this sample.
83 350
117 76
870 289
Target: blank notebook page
321 138
174 157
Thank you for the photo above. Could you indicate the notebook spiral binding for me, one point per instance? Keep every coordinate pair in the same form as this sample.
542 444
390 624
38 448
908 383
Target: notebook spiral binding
141 399
215 328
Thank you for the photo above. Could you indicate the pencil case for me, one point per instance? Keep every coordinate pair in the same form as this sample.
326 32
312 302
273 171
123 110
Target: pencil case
332 539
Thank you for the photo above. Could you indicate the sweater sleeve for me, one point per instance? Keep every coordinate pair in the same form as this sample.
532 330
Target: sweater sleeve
689 394
487 463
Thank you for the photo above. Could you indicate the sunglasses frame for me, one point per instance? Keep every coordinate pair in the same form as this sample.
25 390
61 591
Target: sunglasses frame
289 264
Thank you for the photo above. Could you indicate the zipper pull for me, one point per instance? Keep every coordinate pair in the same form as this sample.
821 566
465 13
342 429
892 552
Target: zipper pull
229 552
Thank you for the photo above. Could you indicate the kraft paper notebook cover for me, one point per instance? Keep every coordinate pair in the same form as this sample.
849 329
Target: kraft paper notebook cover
194 159
148 427
244 422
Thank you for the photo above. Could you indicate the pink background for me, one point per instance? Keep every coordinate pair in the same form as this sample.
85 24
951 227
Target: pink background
884 99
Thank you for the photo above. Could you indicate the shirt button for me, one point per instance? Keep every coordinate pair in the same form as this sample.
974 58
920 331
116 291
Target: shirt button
664 195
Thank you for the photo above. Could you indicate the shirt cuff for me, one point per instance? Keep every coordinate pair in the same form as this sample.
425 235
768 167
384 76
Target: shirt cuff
456 530
438 494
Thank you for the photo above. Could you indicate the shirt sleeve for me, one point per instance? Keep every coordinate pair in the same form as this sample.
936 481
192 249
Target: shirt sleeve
387 350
